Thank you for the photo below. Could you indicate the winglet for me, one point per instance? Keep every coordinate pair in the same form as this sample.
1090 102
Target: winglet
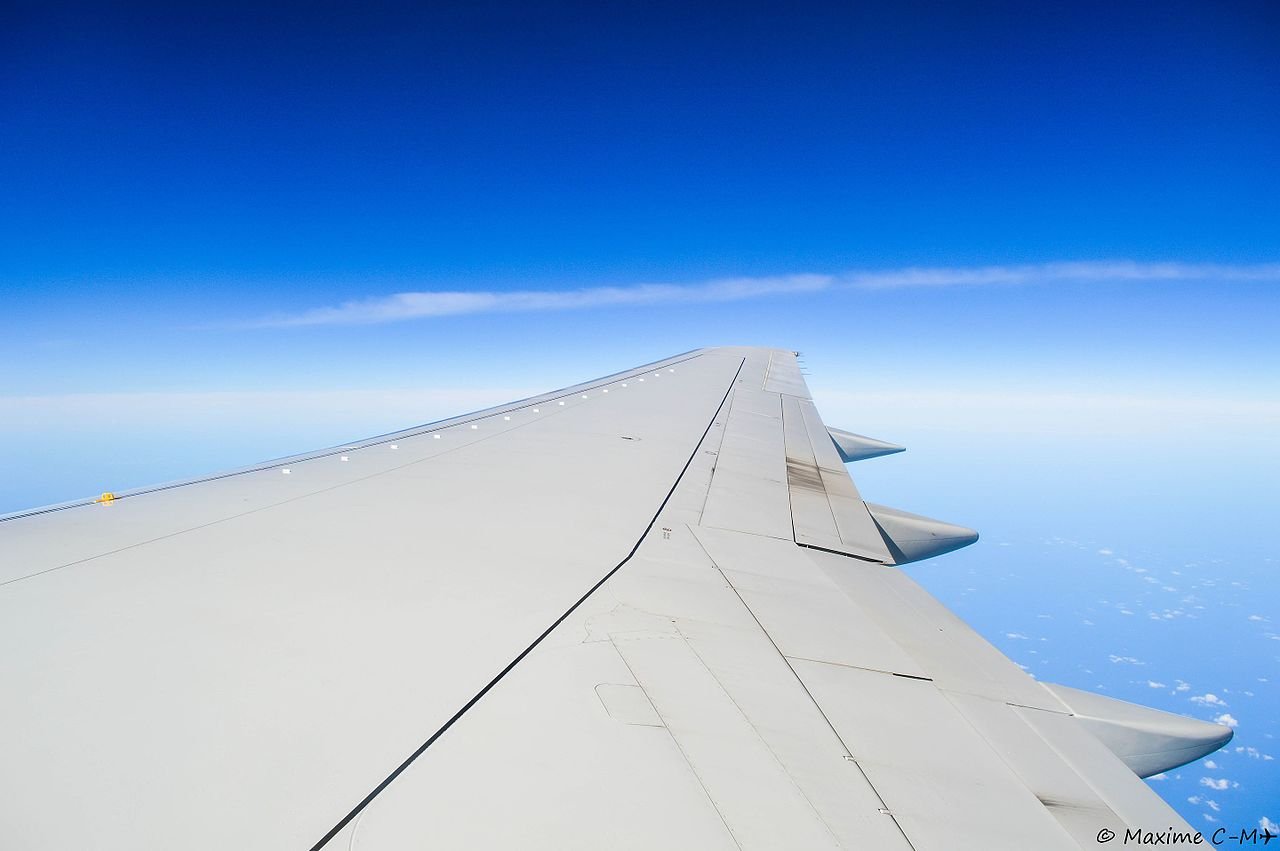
856 447
912 537
1147 740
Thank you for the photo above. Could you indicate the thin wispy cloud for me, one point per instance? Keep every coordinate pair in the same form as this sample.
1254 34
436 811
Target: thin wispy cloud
1117 271
419 305
424 304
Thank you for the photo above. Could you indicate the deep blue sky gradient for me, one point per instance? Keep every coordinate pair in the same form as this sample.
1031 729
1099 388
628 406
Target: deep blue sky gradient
561 141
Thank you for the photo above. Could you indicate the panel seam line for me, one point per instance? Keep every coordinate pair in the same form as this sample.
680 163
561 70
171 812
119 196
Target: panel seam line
368 799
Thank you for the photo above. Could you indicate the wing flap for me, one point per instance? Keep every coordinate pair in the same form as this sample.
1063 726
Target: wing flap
826 510
940 780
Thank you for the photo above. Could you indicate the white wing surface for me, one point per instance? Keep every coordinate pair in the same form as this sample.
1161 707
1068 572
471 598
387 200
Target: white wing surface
648 611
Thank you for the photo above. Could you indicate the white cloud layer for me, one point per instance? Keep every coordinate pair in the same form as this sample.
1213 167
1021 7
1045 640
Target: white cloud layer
429 303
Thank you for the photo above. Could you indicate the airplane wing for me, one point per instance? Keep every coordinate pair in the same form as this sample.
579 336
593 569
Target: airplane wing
651 610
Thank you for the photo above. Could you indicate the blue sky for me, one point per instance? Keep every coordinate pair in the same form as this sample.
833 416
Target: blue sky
1040 247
